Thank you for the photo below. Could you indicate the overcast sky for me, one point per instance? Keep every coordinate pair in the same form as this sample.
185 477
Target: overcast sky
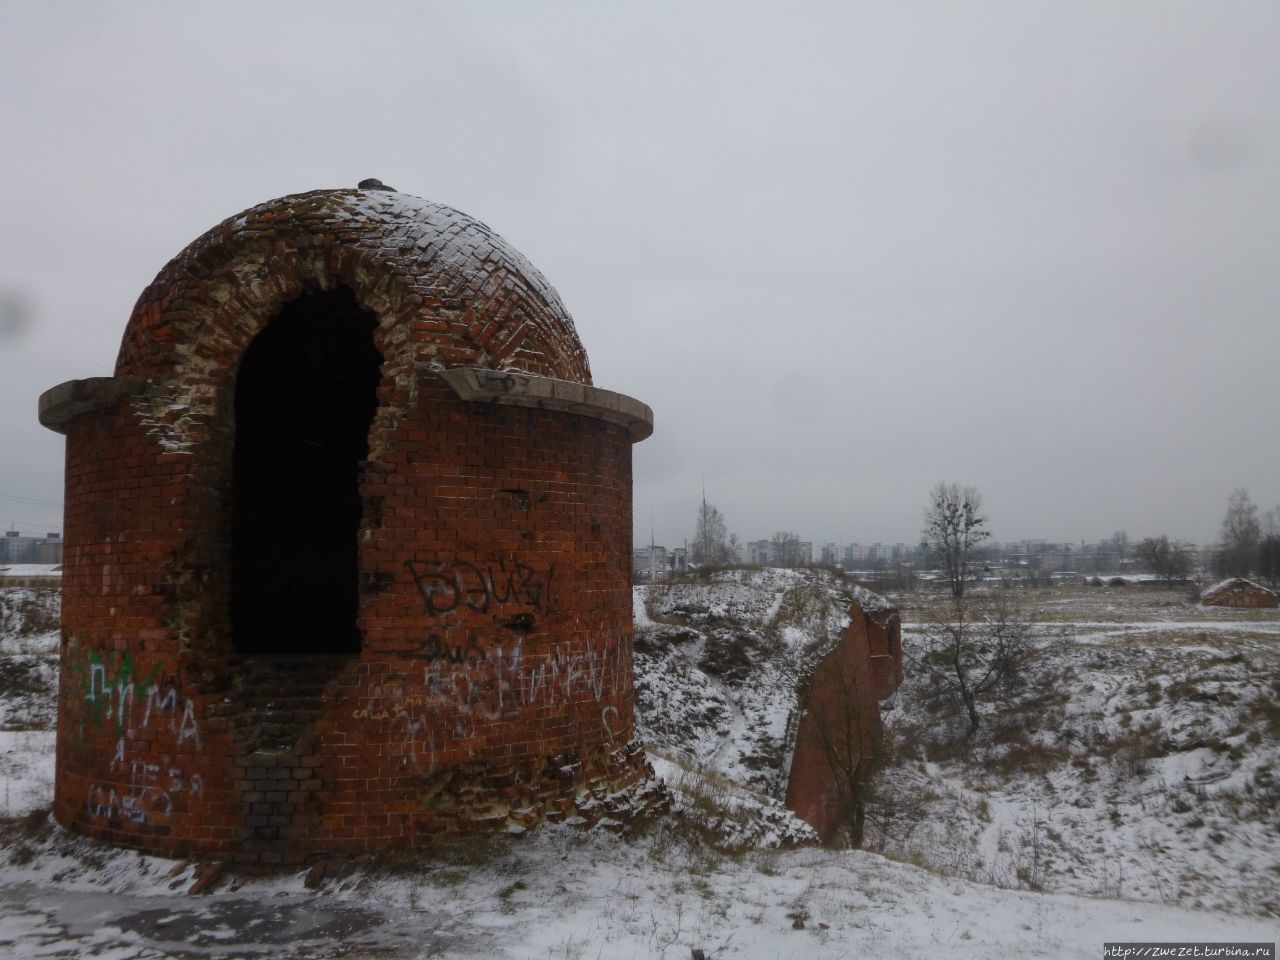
845 251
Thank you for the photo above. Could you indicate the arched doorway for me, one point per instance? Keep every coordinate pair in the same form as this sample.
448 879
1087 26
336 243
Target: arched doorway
306 393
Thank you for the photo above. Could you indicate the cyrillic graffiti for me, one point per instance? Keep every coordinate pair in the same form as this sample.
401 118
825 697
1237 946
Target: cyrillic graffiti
148 794
141 705
111 694
459 689
445 587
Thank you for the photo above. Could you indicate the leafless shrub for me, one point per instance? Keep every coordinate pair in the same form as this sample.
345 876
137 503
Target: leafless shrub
29 611
1133 749
974 651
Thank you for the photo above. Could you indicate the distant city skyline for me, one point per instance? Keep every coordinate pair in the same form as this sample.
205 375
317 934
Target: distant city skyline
993 545
642 536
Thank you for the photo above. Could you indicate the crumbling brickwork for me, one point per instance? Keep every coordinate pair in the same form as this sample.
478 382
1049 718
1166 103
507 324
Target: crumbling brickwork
839 734
1239 592
484 681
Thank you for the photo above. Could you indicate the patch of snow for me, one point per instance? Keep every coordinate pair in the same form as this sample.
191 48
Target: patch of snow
639 615
719 661
168 421
31 570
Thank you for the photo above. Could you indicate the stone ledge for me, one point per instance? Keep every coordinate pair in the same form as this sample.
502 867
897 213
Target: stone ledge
61 404
525 390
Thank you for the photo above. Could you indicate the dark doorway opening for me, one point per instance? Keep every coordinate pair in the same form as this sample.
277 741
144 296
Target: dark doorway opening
306 393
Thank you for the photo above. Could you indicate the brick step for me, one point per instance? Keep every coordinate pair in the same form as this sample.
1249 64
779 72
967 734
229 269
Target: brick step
278 731
307 705
275 700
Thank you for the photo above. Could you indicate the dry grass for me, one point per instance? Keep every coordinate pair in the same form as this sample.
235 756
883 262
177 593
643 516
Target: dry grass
27 612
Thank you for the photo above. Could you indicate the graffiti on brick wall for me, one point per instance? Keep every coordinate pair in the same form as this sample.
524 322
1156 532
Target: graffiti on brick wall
458 690
609 718
150 790
142 706
446 587
112 692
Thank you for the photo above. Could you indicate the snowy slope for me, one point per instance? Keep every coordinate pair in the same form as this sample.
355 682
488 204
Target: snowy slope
28 696
1138 759
565 893
718 660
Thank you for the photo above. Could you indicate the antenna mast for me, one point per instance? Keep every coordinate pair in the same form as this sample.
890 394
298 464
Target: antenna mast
706 558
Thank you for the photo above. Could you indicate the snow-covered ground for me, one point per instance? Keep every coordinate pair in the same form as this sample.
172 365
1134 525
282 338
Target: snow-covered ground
1137 760
717 664
715 876
562 893
30 569
28 697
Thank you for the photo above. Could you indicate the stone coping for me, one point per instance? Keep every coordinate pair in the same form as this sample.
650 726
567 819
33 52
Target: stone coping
61 404
525 390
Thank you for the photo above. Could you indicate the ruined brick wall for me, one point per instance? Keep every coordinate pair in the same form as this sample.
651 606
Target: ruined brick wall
128 732
493 685
1239 592
838 736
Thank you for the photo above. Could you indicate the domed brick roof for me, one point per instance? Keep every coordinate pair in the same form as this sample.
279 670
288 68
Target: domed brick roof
446 288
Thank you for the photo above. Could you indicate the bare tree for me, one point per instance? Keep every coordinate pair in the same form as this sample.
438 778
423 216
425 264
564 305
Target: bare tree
1241 532
784 548
1269 559
974 650
1271 522
710 536
954 527
1170 560
1118 546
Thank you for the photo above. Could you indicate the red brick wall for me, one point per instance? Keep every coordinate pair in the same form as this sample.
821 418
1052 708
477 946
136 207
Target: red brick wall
448 289
839 733
495 681
128 736
494 685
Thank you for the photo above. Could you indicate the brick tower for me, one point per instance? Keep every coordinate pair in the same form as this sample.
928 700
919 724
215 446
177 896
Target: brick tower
348 545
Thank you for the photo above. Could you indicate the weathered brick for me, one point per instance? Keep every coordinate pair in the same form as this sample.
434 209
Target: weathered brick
492 571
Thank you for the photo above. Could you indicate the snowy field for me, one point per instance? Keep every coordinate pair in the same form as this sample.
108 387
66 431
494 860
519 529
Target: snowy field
1138 759
717 875
562 893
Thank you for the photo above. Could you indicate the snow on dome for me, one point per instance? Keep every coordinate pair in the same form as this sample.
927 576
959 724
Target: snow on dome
455 291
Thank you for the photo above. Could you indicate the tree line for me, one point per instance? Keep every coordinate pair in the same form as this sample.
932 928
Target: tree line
1248 546
956 530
